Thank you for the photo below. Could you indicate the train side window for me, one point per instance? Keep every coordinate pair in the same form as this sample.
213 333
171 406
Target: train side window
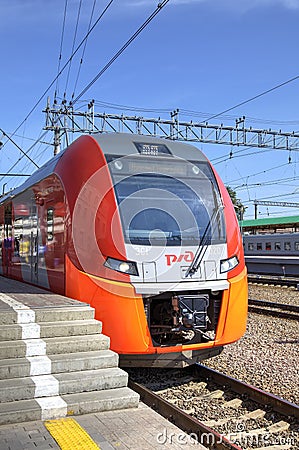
297 246
259 246
250 246
50 224
287 246
268 246
277 246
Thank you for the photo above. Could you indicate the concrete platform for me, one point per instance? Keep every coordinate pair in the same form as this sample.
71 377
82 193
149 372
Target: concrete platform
132 429
34 297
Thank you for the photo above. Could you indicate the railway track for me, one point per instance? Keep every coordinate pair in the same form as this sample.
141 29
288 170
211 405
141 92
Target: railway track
218 411
282 310
274 280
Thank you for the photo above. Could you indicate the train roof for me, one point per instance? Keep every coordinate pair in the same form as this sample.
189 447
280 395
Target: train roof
122 143
270 236
288 224
269 221
37 176
112 143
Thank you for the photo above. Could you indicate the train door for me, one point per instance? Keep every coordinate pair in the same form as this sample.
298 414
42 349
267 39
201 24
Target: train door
7 247
34 244
44 233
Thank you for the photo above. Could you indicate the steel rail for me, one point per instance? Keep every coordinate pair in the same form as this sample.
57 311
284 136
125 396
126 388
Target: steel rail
192 426
205 435
275 280
285 306
274 309
262 397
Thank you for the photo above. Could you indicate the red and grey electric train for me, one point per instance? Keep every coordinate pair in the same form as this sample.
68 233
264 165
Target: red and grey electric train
143 230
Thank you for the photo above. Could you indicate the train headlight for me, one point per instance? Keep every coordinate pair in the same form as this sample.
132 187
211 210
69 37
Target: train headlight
129 267
228 264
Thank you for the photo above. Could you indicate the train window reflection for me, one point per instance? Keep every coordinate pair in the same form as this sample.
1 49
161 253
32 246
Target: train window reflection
159 210
287 246
277 246
250 246
297 246
50 224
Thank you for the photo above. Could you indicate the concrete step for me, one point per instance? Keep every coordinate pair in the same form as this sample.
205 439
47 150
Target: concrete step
51 314
55 345
92 380
49 329
64 314
80 361
26 388
22 411
7 317
107 400
70 404
59 363
54 361
74 344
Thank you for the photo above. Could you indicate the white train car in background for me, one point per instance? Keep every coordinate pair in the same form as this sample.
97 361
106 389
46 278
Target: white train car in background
272 254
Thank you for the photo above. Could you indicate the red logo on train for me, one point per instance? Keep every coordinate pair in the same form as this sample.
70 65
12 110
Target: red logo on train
187 257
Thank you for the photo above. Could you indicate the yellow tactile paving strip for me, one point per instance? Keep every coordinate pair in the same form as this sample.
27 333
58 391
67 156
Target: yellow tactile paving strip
69 435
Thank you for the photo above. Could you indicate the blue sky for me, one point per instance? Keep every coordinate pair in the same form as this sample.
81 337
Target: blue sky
201 56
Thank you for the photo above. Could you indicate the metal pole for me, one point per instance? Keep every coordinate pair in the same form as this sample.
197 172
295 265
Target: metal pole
255 210
56 140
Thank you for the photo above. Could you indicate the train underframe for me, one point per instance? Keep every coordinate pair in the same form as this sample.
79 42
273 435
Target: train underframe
177 319
182 318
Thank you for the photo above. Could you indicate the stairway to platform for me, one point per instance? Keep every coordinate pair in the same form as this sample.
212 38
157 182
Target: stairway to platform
55 362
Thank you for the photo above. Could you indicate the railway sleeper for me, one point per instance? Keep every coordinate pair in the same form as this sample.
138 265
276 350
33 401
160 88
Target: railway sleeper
256 414
276 428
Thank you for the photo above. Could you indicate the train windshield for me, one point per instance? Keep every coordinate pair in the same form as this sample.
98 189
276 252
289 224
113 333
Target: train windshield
168 207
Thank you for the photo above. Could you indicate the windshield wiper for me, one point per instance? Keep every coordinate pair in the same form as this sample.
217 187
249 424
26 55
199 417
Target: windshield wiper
203 244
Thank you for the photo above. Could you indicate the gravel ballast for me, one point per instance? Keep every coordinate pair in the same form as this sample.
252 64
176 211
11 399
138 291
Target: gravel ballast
278 294
267 356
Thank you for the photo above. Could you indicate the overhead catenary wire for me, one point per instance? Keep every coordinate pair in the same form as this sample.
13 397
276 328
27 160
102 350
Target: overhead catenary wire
61 46
223 159
281 181
160 6
256 97
259 173
25 154
274 197
73 47
84 49
55 79
18 147
64 66
15 175
129 41
290 80
191 113
130 108
31 139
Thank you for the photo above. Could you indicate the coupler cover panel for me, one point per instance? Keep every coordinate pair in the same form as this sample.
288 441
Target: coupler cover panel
195 308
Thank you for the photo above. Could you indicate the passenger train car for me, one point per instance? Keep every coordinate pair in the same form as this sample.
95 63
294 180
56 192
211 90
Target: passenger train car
142 229
272 254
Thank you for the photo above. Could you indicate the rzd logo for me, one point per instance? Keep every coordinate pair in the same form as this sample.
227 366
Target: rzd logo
187 257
